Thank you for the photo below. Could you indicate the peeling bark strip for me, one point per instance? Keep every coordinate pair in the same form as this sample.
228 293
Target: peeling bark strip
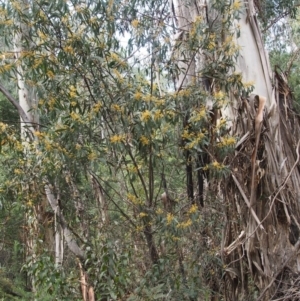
247 202
297 246
261 199
258 126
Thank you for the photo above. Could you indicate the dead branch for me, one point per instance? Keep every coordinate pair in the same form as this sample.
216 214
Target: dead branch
247 202
235 244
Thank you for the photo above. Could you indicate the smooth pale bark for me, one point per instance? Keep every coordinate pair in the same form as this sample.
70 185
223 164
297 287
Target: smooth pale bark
27 129
253 61
71 242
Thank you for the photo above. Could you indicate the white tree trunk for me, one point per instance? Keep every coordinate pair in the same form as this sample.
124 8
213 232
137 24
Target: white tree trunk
29 119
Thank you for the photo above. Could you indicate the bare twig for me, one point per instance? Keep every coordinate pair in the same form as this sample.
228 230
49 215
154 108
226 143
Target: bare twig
282 186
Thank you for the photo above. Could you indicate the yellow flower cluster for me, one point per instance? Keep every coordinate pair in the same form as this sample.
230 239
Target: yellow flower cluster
146 115
196 140
236 5
50 74
144 140
48 145
158 115
41 35
18 171
217 165
116 138
227 142
170 218
116 108
219 95
93 20
185 224
97 106
3 127
142 214
92 156
139 228
72 91
138 95
184 92
186 134
195 25
80 8
37 62
39 134
6 67
159 102
193 209
198 115
115 57
211 42
133 169
69 49
16 5
135 23
148 98
133 199
75 116
118 75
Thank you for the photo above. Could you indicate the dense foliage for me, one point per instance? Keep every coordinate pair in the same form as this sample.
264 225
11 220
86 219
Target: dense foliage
115 138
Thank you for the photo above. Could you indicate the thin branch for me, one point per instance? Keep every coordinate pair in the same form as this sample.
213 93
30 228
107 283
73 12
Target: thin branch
247 202
291 61
118 207
238 241
13 101
282 186
275 20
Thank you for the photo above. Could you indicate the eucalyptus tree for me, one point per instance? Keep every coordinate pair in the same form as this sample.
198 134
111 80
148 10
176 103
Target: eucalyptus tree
260 196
